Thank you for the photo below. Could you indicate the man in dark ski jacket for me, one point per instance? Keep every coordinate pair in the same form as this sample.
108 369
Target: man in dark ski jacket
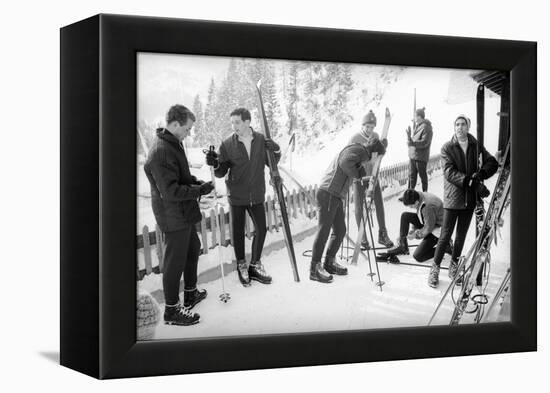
334 186
426 225
243 158
463 177
419 141
174 198
368 136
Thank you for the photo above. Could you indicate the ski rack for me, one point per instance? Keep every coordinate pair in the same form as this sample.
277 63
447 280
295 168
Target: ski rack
482 242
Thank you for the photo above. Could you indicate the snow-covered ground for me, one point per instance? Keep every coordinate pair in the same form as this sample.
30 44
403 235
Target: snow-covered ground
350 302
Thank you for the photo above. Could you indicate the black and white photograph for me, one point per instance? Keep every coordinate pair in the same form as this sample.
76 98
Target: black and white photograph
280 196
283 196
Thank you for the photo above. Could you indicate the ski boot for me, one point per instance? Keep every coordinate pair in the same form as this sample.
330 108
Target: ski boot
256 272
402 247
180 315
242 270
191 297
433 278
383 238
365 245
333 267
318 273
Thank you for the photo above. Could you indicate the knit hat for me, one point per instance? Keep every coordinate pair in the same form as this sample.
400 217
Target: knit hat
369 118
468 122
421 112
148 315
409 197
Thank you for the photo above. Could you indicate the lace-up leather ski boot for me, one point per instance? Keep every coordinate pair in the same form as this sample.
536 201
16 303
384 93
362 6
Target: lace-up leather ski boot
257 272
402 247
333 267
179 315
191 297
242 270
433 278
365 245
384 239
318 273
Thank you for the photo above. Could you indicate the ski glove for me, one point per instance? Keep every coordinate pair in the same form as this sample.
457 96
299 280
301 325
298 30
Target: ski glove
206 188
376 147
212 158
480 175
481 190
271 145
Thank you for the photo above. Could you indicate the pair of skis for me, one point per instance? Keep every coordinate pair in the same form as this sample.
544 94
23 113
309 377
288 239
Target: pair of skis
277 183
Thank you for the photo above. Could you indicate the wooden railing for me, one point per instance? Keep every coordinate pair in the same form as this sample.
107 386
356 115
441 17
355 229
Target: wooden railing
299 202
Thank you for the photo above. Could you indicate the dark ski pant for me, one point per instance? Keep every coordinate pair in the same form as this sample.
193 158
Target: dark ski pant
359 198
331 215
426 248
181 256
462 219
257 213
416 168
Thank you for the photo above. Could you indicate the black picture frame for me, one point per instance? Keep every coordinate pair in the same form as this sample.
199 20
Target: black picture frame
98 188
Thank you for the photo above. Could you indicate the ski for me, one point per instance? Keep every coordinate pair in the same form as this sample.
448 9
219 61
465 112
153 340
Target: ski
480 113
481 252
480 134
373 180
277 183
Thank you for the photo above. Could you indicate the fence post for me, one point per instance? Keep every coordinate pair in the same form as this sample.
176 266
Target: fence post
302 199
204 237
221 214
213 228
288 200
160 247
275 218
308 202
268 207
294 203
147 250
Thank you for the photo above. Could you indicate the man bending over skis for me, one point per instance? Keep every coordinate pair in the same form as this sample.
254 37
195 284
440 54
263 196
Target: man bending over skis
346 167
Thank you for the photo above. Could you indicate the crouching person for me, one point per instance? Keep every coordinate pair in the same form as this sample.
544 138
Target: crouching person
334 186
426 225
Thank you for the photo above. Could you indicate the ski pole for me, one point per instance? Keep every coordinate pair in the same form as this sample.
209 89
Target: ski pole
224 296
369 221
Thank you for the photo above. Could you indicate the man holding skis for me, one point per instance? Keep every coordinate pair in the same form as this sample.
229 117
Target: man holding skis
333 188
242 159
462 181
174 198
368 136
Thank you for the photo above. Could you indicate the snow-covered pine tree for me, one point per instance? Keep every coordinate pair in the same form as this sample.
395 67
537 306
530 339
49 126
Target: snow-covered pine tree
200 136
